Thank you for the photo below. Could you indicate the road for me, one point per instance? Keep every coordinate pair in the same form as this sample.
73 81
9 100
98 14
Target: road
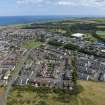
19 66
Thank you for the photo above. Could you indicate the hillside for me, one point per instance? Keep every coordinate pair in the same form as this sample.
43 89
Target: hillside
93 94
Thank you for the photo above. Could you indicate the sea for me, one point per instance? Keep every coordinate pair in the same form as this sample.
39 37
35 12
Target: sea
9 20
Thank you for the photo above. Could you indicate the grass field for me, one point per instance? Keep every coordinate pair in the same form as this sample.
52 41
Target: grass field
92 94
100 32
100 27
31 44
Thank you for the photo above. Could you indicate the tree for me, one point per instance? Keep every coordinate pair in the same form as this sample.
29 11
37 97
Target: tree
71 46
42 102
55 43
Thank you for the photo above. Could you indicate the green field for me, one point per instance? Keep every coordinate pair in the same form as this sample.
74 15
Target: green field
100 32
31 44
92 94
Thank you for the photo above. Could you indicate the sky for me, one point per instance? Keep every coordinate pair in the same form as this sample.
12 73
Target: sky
52 7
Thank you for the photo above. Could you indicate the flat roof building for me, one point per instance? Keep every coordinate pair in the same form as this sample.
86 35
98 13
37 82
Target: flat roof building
78 35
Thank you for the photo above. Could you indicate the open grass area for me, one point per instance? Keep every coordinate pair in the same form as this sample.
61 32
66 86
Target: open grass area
100 20
100 27
31 44
100 33
92 94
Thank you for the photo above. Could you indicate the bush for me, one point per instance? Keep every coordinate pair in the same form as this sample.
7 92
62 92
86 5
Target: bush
45 90
28 101
42 102
76 90
71 46
59 91
19 94
55 43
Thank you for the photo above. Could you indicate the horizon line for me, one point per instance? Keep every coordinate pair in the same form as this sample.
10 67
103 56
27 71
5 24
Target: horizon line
54 15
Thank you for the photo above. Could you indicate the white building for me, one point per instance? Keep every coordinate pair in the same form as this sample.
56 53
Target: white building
78 35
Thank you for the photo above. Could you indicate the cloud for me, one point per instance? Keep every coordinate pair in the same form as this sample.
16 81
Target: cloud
65 3
29 1
85 3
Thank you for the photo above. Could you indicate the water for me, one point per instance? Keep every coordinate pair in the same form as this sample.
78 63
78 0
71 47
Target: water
7 20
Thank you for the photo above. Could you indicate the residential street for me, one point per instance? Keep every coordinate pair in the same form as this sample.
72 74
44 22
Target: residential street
3 98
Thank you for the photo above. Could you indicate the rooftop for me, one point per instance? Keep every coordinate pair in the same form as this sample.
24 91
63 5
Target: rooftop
78 35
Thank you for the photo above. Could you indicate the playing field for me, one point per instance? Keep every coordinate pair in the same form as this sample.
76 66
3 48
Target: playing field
31 44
